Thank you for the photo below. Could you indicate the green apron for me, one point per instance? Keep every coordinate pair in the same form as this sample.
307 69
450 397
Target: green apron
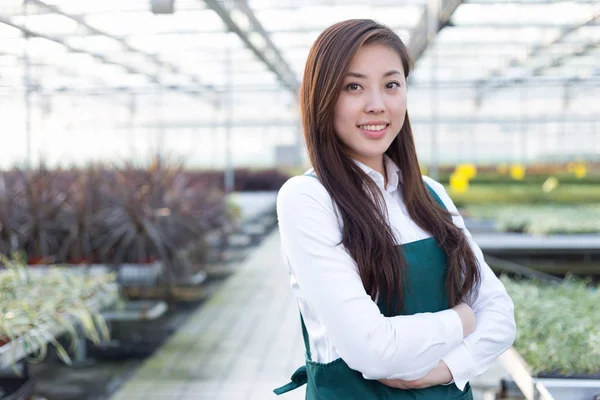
426 275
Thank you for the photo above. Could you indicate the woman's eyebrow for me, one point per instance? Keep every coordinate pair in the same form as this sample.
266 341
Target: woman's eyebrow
392 72
362 76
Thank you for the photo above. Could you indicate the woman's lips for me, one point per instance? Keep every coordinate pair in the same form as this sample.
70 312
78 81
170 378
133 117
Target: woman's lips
374 131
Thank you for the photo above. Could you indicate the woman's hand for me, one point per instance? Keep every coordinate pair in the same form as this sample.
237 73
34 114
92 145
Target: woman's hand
438 376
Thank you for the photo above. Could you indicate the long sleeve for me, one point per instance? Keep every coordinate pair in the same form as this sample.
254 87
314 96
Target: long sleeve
494 310
404 346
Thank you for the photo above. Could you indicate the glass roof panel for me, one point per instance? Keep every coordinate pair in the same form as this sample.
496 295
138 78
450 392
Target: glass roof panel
145 23
498 45
14 45
491 34
38 47
95 43
320 17
7 31
523 14
585 34
83 7
49 24
176 42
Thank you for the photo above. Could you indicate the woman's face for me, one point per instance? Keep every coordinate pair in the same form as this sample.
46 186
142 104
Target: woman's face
372 104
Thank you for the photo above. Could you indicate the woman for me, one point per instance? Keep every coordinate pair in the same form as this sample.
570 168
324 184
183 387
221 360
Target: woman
396 299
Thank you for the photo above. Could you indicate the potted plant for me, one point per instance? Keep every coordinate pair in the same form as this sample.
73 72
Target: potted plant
152 215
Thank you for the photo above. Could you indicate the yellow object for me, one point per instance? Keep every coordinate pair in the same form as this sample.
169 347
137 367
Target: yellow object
550 184
580 170
459 183
517 172
469 171
571 167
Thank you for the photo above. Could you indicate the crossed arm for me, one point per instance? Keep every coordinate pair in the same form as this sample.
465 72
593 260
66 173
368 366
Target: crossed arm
441 374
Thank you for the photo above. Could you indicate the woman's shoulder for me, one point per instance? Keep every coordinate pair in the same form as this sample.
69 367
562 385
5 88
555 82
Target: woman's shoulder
435 185
440 190
302 188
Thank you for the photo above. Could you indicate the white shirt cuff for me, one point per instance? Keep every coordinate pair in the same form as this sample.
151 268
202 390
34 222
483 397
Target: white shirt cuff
460 363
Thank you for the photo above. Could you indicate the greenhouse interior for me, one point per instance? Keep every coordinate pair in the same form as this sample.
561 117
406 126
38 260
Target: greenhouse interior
144 144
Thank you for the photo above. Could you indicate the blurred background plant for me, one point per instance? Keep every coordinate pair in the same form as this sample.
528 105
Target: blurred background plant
38 305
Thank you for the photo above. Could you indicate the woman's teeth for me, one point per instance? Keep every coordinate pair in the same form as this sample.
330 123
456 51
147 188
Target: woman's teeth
372 127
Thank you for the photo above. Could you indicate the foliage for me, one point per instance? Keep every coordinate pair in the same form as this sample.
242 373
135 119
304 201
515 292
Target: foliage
36 305
528 179
84 201
107 214
558 326
517 193
541 219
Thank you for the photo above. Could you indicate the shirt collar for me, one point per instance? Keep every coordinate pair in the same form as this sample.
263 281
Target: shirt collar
394 175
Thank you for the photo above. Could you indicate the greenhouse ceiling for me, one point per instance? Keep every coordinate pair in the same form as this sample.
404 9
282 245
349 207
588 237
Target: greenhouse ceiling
212 63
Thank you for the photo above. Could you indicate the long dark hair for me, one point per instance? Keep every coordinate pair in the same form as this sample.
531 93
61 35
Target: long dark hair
366 234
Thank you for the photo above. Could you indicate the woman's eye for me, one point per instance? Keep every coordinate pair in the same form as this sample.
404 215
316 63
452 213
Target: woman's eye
353 86
392 85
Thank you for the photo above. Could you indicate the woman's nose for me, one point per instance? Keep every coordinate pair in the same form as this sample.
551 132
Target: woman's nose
375 103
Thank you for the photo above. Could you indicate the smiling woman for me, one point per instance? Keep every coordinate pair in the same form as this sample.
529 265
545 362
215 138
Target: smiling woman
389 283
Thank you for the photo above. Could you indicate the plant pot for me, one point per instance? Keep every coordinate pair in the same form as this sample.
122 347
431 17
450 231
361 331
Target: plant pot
16 388
80 261
35 260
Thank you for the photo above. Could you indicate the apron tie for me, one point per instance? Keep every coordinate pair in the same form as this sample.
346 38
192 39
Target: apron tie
299 378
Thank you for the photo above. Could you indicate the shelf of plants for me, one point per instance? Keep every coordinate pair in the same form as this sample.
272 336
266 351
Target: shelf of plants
556 355
135 221
38 306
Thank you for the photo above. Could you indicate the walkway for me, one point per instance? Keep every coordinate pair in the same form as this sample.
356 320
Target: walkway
241 344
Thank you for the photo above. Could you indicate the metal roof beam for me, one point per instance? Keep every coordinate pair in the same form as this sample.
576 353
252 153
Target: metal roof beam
495 79
240 19
424 32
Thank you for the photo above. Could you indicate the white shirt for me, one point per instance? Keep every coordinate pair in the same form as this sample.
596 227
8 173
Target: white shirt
341 318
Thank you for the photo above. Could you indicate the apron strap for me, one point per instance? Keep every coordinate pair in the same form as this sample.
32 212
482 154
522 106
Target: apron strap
300 377
435 196
305 337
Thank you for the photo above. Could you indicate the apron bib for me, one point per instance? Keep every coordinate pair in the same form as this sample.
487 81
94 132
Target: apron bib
426 276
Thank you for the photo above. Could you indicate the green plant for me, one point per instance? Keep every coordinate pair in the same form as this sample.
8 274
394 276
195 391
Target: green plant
35 306
518 193
558 326
541 219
